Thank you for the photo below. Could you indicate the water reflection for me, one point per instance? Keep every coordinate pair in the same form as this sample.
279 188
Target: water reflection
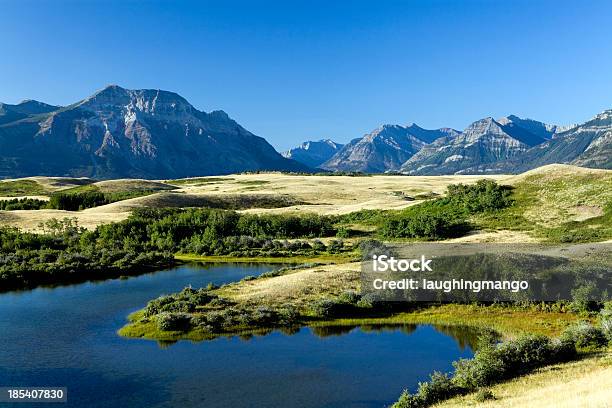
66 336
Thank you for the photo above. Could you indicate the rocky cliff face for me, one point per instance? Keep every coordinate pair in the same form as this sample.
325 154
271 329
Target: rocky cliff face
133 133
313 153
588 144
484 141
384 149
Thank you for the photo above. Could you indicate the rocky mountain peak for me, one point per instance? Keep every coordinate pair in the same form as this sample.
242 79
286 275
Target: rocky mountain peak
605 116
146 133
482 127
313 153
147 101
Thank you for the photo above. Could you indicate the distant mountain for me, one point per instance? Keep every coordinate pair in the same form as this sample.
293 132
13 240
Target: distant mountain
313 153
535 132
119 133
427 135
587 145
25 109
484 141
384 149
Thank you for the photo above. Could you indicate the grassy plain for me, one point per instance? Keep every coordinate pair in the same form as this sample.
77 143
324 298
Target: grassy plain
556 202
259 193
553 202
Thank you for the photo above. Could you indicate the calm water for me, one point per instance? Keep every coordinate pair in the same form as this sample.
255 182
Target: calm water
66 336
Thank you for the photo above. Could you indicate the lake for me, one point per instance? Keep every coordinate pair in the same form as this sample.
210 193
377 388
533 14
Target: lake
66 337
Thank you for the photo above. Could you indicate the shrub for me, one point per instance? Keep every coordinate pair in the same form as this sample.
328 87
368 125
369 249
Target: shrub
180 306
343 232
493 363
264 316
155 306
215 319
605 321
349 297
429 220
582 298
484 394
484 369
484 196
438 388
173 321
365 303
324 308
407 400
563 349
370 247
318 246
288 315
335 246
585 336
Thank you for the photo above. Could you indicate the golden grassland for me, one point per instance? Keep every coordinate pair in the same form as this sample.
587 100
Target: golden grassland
316 194
546 197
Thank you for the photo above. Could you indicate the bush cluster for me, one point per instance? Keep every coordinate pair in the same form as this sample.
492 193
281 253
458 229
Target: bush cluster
586 336
80 198
22 204
447 217
76 201
147 240
430 220
200 308
349 302
491 363
605 321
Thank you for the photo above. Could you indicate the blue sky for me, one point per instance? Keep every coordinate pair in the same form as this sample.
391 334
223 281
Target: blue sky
291 71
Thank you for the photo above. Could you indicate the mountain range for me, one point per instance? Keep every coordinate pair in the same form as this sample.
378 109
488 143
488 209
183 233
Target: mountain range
313 153
119 133
487 146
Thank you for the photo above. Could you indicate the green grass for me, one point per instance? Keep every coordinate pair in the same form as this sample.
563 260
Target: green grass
149 330
21 188
81 189
542 208
509 322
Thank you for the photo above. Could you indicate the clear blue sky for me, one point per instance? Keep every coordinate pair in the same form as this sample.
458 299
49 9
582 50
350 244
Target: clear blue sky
291 71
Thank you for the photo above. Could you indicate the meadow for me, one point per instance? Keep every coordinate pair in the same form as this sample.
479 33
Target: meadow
322 225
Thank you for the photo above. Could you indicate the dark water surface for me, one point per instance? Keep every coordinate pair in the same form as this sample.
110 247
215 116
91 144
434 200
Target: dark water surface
66 336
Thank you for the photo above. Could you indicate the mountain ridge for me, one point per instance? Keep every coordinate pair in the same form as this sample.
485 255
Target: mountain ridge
383 149
150 133
313 153
117 132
